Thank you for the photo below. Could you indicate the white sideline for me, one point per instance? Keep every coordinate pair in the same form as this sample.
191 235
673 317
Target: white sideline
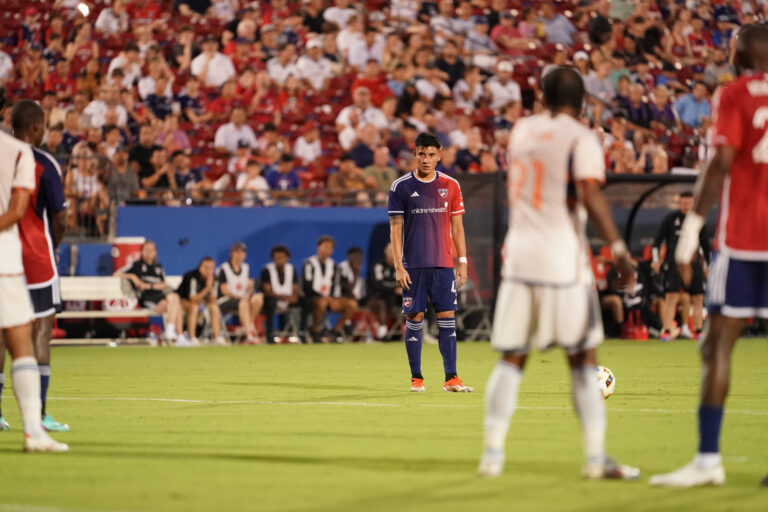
375 404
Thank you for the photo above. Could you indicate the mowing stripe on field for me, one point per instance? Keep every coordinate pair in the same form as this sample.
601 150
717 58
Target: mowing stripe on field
378 404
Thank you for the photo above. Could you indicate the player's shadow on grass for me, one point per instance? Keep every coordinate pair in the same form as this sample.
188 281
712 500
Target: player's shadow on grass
291 385
359 462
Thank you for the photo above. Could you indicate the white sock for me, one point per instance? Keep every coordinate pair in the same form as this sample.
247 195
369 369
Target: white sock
170 330
26 387
708 460
590 406
500 403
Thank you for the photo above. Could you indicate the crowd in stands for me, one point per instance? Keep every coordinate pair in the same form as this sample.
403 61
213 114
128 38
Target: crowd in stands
282 303
266 102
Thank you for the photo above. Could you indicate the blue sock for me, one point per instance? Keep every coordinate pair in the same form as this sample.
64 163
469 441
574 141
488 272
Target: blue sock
45 379
710 419
447 343
413 346
2 381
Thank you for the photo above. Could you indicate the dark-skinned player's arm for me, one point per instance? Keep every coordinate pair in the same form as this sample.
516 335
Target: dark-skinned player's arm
17 208
396 239
706 194
457 230
600 215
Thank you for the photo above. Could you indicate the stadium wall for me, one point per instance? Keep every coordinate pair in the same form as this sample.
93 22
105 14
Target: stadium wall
184 235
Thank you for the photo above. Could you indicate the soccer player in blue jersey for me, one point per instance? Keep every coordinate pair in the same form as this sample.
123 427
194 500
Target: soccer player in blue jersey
426 231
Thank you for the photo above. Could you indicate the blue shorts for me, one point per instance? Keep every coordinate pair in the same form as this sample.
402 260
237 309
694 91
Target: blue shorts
737 288
46 300
434 284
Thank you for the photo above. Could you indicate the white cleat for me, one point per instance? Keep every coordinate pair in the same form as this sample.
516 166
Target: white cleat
491 464
692 475
609 470
183 341
43 443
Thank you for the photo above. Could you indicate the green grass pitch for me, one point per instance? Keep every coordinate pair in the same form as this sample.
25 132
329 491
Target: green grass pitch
335 428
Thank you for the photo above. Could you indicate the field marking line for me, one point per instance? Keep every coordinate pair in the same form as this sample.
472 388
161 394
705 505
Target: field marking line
14 507
378 404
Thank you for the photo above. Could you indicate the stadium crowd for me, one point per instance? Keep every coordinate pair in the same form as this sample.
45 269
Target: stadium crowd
267 102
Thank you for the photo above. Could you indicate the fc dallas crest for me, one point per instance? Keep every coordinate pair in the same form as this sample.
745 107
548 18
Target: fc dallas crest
443 192
407 301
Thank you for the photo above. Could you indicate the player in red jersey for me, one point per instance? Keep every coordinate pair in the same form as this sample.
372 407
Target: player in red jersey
40 230
425 209
738 279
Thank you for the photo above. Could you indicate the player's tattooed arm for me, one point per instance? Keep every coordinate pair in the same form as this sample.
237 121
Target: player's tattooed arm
457 230
396 239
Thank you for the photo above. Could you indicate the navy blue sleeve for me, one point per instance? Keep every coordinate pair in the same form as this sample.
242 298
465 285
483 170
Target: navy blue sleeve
395 204
51 190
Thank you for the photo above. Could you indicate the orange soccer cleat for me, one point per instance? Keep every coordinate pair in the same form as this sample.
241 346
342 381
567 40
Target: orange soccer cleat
417 385
455 385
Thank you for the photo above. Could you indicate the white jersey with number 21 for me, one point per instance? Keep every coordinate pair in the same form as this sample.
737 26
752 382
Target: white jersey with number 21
546 243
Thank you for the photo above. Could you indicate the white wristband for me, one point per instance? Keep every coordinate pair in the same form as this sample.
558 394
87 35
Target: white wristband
619 248
688 243
463 259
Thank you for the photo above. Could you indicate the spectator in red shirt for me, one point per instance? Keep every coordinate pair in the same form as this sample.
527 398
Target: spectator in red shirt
61 82
274 11
223 105
243 56
82 48
32 68
145 12
509 39
375 81
55 26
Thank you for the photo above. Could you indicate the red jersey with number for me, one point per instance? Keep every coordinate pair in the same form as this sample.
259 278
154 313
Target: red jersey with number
741 121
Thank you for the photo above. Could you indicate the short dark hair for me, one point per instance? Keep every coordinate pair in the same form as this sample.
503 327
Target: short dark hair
427 140
354 250
563 87
325 238
280 248
687 193
206 258
25 113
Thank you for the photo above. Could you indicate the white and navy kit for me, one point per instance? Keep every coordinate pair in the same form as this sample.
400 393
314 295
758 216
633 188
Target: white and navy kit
548 295
17 171
35 231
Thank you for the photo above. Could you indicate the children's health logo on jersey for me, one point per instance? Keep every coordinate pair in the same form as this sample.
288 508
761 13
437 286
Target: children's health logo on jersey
443 192
407 301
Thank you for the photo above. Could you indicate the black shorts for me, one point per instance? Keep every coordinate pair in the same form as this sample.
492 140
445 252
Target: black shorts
673 283
46 301
151 298
228 305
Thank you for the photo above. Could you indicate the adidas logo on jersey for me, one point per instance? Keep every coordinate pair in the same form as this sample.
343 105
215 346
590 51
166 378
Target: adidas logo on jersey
415 194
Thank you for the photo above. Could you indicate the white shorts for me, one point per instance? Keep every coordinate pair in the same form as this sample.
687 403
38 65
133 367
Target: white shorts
15 305
538 317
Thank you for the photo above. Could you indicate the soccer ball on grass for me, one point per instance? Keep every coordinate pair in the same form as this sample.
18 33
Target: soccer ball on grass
606 380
